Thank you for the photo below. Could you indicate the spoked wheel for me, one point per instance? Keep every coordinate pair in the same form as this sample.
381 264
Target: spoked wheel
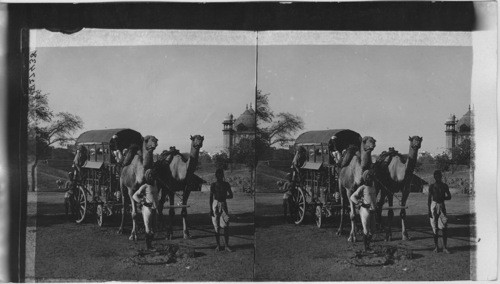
299 204
81 205
318 215
100 215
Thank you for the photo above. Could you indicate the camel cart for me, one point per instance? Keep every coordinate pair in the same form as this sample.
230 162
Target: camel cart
316 189
98 185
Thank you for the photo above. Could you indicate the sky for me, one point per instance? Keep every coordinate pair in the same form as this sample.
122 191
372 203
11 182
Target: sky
179 83
387 92
170 92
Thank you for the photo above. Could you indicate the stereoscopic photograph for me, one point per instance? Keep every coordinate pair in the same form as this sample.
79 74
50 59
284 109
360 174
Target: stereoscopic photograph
140 167
254 142
367 167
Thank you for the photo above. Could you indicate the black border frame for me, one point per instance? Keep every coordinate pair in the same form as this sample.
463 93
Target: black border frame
252 16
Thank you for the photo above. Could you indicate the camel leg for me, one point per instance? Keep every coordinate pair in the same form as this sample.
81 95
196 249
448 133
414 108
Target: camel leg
133 234
171 213
185 196
390 215
402 214
342 210
380 205
161 203
122 188
352 216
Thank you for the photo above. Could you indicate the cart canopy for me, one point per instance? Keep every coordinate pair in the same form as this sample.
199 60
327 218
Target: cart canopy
126 137
345 137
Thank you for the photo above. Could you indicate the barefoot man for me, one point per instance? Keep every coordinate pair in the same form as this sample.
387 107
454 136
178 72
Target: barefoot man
219 192
438 193
147 196
366 197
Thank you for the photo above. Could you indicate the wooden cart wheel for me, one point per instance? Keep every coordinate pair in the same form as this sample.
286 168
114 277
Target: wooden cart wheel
81 205
100 215
319 216
299 203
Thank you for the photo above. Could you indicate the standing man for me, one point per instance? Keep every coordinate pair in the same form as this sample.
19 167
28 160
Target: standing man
366 197
438 193
219 192
79 161
147 196
298 160
70 187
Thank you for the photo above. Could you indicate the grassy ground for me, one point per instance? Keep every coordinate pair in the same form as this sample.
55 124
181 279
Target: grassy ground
267 177
289 252
47 177
63 251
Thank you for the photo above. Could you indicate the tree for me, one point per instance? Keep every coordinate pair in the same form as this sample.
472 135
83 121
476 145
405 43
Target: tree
426 158
58 131
442 162
221 160
462 154
204 158
274 129
244 153
44 128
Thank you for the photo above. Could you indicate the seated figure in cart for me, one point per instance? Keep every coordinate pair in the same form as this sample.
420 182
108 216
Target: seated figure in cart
113 147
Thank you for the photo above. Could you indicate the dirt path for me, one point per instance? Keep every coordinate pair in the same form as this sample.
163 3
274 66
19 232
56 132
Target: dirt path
287 252
66 251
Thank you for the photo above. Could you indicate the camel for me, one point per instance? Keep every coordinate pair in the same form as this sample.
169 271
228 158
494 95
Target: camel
174 172
135 165
391 176
354 163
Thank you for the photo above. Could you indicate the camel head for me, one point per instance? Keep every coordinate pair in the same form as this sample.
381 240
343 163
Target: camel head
415 142
197 141
368 143
150 143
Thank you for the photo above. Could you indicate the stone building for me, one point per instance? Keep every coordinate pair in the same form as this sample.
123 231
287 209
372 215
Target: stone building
458 130
235 129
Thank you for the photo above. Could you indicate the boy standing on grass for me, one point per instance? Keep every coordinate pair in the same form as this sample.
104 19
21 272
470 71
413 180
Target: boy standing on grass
219 192
438 193
286 188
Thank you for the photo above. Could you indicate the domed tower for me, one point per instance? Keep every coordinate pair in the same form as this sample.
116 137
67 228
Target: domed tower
465 127
451 133
228 133
245 125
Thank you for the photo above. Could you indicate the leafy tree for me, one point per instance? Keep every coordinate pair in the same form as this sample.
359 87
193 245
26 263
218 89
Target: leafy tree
204 158
462 154
45 129
57 131
426 158
443 162
274 129
244 153
221 160
263 111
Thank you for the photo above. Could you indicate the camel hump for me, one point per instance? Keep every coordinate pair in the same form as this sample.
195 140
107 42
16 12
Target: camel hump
385 158
132 151
347 156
